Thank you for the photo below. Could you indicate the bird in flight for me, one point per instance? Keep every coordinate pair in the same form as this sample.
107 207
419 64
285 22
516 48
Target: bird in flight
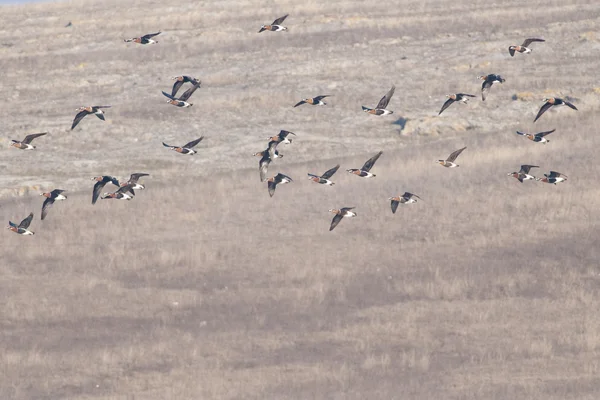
381 106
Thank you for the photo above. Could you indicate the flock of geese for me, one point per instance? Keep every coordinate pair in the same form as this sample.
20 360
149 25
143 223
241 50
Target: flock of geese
126 190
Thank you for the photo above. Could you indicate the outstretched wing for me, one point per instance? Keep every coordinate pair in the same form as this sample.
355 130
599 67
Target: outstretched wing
169 96
319 98
176 87
283 134
56 192
408 195
329 173
272 185
78 118
280 20
25 223
554 174
151 35
96 192
453 156
570 105
371 161
543 109
521 133
47 204
137 175
511 50
166 145
29 138
485 89
394 206
383 103
263 165
527 42
542 134
525 168
447 104
300 103
335 221
188 93
193 143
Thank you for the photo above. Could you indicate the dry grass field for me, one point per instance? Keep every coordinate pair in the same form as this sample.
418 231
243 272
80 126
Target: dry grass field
204 287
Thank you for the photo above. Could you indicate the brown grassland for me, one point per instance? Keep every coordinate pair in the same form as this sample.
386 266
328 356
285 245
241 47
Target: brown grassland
204 287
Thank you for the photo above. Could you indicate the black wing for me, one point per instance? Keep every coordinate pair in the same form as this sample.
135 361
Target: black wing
485 88
150 35
525 168
408 195
527 42
453 156
176 87
371 161
188 93
56 192
78 118
169 96
280 20
319 98
383 103
570 105
125 189
101 116
543 109
394 206
193 143
25 223
29 138
521 133
447 104
283 134
137 175
335 221
554 174
279 177
272 185
542 134
97 188
511 50
329 173
166 145
299 103
47 204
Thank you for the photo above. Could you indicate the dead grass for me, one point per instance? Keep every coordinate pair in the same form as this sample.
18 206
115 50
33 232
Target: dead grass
204 287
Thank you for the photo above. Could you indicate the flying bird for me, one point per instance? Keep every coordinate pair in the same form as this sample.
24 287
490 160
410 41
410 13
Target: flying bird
25 144
315 101
381 106
180 80
101 181
406 198
324 179
523 174
523 48
186 148
553 101
51 197
21 229
266 156
84 111
364 171
538 137
125 192
182 101
275 26
554 177
132 183
276 180
449 162
488 81
281 137
457 97
146 39
340 214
